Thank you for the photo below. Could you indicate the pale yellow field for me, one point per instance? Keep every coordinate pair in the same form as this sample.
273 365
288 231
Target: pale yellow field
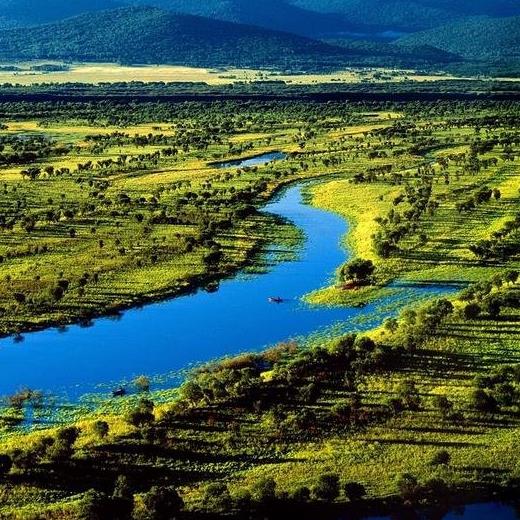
111 73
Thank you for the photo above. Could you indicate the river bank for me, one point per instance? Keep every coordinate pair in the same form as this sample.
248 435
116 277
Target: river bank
111 351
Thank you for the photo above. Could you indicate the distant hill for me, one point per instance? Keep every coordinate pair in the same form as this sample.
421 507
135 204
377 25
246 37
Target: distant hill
272 14
386 54
411 15
145 35
150 35
16 13
483 39
318 19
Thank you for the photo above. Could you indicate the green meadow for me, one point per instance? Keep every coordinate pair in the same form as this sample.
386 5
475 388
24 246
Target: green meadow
103 208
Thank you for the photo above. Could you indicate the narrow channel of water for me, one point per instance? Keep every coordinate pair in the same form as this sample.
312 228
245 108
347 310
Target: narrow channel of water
484 511
249 162
173 335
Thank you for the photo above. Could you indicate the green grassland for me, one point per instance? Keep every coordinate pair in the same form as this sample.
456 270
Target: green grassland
423 407
108 220
443 254
141 218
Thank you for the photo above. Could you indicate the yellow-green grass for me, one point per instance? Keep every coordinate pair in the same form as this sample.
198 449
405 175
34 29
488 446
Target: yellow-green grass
122 282
446 255
481 449
445 365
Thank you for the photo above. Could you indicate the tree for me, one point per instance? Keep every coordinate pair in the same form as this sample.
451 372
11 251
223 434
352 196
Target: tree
122 488
444 405
310 393
441 458
472 311
342 410
191 392
24 460
355 491
435 490
492 306
409 316
327 487
364 345
506 394
264 491
396 405
409 395
301 494
160 503
20 298
68 435
94 506
391 325
6 464
407 486
57 293
63 446
483 401
142 415
33 173
431 316
358 270
511 276
101 429
217 498
142 383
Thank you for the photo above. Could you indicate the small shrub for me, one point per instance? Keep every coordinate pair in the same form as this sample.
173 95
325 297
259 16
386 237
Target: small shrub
441 458
327 487
354 491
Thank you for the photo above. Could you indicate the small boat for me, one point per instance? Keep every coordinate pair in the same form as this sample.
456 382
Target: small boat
120 392
275 299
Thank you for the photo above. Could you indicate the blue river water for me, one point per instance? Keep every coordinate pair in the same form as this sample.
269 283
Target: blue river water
249 162
165 338
483 511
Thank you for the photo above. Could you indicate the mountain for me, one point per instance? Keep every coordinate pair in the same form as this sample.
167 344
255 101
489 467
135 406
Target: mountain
272 14
151 35
384 54
279 15
326 18
320 19
19 13
480 38
140 35
411 15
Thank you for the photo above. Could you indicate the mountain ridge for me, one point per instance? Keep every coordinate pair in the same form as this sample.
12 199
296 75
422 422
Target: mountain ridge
152 35
476 38
147 35
16 13
411 15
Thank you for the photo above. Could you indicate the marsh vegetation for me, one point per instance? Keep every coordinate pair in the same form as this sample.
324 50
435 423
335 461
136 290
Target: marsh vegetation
108 204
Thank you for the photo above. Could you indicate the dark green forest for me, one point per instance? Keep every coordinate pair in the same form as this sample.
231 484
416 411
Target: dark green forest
148 35
411 15
296 35
480 38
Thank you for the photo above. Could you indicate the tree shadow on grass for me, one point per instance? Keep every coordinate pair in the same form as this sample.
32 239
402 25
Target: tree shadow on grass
421 442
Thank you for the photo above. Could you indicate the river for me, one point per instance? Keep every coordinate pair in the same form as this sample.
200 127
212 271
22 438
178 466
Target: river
483 511
167 337
179 333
